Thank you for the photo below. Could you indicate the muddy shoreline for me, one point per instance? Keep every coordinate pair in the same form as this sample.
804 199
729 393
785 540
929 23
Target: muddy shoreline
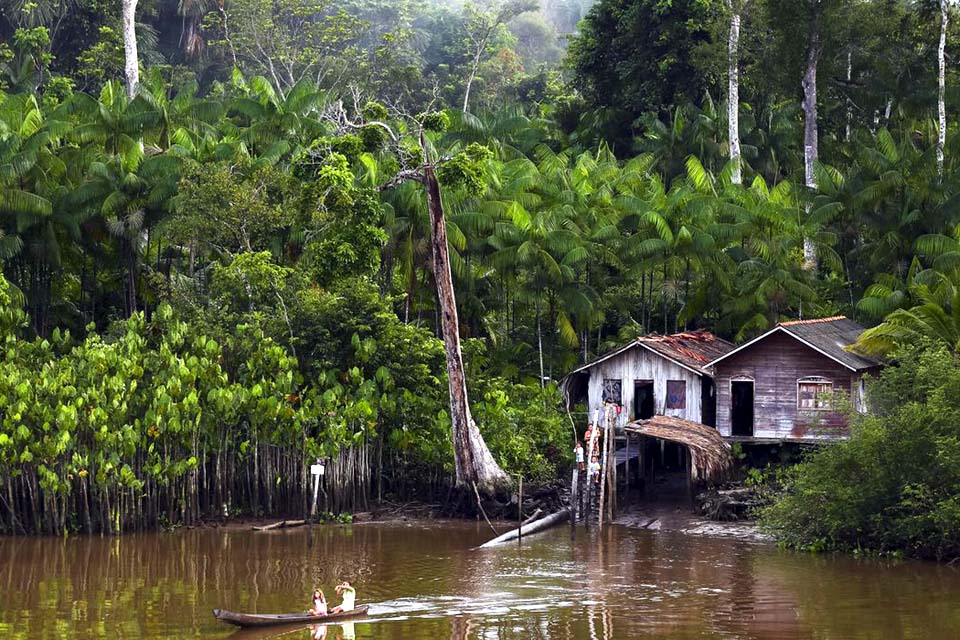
686 522
667 519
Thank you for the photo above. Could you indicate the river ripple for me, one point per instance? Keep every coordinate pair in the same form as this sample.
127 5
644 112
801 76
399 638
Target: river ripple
425 580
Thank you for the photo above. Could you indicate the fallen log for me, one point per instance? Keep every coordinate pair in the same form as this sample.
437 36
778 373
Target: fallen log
283 524
533 527
536 514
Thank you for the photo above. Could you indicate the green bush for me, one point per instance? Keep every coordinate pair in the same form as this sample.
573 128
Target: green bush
525 428
894 486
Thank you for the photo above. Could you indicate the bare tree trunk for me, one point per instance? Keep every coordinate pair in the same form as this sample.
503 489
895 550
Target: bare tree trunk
849 126
472 458
540 344
226 34
131 65
733 92
810 141
471 77
941 86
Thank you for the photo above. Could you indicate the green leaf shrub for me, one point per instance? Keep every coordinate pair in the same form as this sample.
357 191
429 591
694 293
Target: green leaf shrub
894 486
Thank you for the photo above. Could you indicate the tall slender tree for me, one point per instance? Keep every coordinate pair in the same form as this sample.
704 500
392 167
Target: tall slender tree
420 162
811 146
942 84
481 25
733 88
131 63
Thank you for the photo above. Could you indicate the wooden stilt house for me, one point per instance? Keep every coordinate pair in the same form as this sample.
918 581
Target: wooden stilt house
787 384
652 375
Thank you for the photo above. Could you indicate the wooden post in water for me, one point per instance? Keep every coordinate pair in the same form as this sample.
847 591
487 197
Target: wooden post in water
604 462
612 462
573 497
520 511
626 459
641 462
589 457
585 492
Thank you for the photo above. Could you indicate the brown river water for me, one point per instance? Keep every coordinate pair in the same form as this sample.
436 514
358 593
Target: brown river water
426 580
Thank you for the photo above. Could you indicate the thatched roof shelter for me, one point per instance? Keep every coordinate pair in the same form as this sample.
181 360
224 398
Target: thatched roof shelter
710 455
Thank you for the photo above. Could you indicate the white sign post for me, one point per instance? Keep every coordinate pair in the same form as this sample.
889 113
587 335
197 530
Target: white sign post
316 470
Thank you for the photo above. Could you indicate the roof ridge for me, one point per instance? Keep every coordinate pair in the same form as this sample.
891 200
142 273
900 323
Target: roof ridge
792 323
696 334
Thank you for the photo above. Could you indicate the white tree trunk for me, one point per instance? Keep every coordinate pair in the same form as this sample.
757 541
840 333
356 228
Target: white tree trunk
941 86
470 78
733 93
849 125
131 65
472 458
810 138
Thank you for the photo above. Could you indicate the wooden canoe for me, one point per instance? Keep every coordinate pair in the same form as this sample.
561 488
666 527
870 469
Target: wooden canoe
247 620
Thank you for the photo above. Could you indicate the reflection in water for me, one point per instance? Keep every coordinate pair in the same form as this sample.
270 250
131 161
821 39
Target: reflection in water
427 582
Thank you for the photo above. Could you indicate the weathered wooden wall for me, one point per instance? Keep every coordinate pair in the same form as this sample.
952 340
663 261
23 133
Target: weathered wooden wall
776 364
641 364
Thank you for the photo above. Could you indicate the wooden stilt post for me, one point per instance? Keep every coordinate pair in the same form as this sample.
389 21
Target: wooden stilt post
626 460
574 498
604 463
586 491
642 466
591 487
612 472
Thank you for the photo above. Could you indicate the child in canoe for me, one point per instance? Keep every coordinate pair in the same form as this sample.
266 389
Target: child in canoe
349 596
319 604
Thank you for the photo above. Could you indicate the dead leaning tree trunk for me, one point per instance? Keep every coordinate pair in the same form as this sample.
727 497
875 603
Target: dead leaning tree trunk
472 458
131 64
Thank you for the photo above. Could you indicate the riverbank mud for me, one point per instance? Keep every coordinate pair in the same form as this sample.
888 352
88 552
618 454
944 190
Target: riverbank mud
680 519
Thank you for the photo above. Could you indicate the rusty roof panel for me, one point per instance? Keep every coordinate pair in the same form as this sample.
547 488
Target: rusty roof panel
691 348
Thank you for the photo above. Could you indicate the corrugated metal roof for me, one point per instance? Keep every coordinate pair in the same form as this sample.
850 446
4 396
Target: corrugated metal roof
832 336
829 336
694 349
690 349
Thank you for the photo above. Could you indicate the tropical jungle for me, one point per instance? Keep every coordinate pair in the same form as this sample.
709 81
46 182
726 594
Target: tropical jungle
237 236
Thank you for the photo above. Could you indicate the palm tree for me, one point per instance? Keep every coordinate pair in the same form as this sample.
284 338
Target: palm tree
128 184
276 125
769 281
33 179
936 317
889 195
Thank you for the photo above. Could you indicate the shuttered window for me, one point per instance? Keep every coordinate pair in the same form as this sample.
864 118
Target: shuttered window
676 394
612 391
814 394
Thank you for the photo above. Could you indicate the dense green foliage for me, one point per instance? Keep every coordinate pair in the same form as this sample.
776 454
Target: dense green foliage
894 487
248 197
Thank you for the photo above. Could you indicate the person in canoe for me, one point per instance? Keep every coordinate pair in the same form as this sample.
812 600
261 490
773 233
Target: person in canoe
319 604
348 595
